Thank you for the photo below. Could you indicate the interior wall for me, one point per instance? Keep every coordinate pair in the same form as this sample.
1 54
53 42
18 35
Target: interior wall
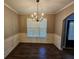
60 17
50 23
59 24
11 30
10 23
23 23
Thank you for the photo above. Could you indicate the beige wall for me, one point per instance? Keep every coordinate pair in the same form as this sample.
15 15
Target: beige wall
60 17
50 24
59 24
10 22
22 23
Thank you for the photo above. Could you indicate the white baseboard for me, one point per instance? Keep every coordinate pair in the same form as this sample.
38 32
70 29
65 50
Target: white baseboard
10 43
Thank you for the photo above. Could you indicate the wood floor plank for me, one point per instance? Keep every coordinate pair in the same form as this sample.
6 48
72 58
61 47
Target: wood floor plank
38 51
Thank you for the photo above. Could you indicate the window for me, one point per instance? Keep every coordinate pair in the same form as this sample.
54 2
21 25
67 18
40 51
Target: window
71 31
36 29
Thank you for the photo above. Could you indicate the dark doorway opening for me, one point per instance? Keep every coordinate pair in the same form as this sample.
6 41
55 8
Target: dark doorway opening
68 32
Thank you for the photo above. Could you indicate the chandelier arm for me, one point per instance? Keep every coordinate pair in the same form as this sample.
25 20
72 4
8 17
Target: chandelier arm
37 11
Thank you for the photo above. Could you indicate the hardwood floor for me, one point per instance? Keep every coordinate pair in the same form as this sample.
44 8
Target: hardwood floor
38 51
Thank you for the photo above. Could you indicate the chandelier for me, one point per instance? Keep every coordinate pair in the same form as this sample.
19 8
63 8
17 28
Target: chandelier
36 15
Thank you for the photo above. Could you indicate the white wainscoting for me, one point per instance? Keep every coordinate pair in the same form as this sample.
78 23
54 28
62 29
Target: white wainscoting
57 41
10 43
51 39
23 38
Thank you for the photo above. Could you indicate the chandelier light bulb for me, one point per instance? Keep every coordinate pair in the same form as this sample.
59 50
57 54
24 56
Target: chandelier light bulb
32 16
35 13
42 14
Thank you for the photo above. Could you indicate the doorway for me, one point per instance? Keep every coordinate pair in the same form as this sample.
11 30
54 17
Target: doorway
68 32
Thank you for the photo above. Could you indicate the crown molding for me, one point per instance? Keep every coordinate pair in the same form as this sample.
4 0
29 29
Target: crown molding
65 7
10 8
47 13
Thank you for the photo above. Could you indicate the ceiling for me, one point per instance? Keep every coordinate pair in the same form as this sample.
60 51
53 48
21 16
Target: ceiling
29 6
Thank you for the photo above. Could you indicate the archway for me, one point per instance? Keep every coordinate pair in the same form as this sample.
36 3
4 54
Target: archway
68 32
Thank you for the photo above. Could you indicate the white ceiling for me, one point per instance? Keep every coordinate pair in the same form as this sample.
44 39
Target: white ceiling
29 6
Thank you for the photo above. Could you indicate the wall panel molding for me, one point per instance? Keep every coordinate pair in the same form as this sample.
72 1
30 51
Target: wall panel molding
50 39
10 43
